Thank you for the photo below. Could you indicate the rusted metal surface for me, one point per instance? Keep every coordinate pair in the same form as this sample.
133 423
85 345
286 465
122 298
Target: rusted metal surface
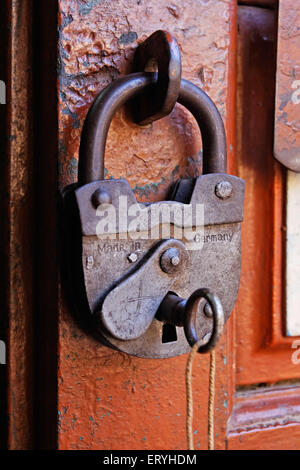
18 225
104 261
160 100
129 308
110 283
287 113
111 301
93 382
177 311
218 319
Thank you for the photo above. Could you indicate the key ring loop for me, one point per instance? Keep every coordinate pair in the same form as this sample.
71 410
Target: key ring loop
190 314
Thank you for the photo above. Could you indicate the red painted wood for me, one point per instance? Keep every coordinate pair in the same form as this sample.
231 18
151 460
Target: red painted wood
107 400
262 417
278 438
265 407
266 419
264 353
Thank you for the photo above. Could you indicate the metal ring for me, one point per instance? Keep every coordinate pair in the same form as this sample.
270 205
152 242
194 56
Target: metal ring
190 313
159 100
111 98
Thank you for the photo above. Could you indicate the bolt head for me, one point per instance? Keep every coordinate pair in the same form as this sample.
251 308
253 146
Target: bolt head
132 258
101 196
175 260
223 190
170 260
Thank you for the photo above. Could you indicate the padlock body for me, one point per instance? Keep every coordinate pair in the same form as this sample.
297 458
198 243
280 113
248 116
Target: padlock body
108 259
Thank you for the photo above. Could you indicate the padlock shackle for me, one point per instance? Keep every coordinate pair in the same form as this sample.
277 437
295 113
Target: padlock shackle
210 124
111 98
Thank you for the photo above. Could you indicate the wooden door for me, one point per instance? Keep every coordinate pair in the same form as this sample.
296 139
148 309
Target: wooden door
64 389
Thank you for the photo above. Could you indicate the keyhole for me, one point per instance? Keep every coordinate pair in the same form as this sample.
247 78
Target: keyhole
169 333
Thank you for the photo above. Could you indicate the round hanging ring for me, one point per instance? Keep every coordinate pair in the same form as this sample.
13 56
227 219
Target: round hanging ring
190 316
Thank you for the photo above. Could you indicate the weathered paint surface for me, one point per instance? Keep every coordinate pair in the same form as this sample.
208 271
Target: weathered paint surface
96 47
287 114
266 418
107 400
273 438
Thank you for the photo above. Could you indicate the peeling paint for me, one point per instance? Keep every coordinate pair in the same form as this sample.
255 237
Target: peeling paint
127 38
85 7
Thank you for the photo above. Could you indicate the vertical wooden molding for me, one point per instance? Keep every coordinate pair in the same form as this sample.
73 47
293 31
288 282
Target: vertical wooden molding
19 226
4 232
46 154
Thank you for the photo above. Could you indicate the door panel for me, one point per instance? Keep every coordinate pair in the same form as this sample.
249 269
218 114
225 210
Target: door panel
107 400
266 403
64 389
264 352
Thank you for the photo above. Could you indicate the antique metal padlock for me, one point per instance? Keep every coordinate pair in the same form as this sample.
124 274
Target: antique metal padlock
128 278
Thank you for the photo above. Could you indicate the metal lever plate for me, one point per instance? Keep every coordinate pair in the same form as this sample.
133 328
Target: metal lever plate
141 293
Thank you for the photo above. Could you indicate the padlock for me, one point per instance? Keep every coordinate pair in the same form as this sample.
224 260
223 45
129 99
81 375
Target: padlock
125 275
